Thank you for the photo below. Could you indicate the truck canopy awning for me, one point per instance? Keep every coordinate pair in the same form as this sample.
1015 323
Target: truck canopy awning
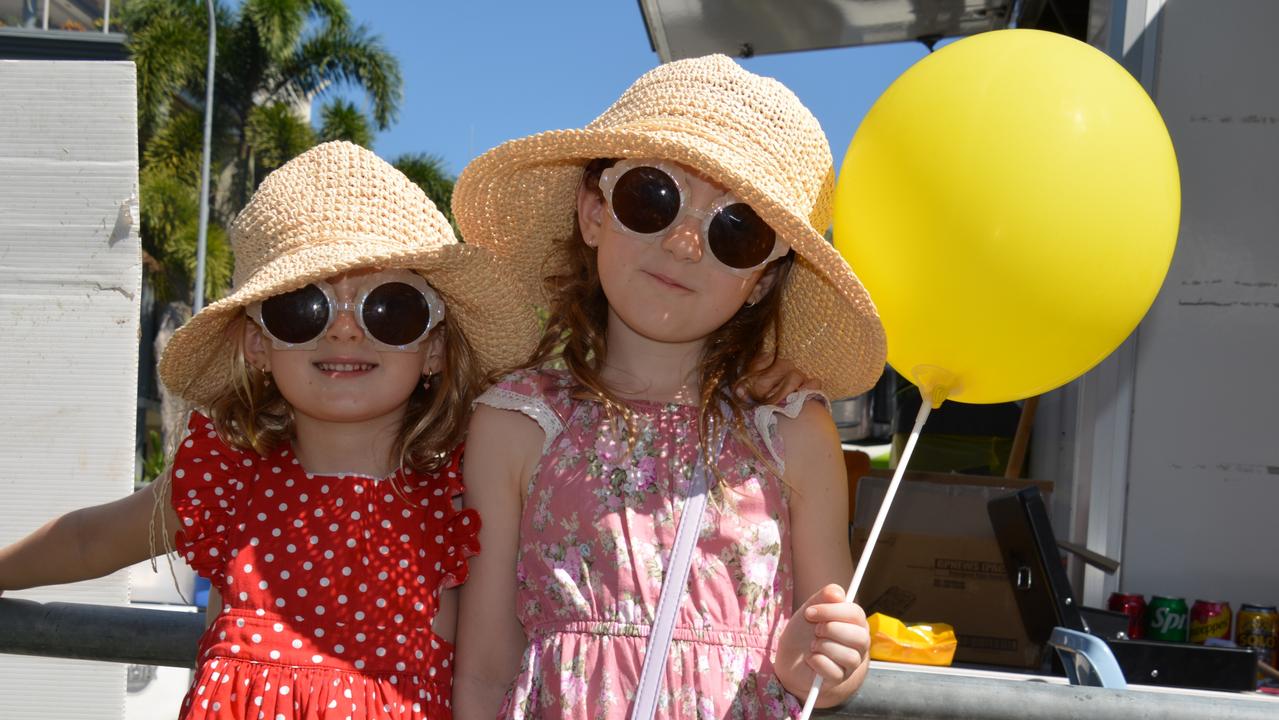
742 28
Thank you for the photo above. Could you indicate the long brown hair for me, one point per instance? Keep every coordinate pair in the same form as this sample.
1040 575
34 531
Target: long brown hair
255 417
576 333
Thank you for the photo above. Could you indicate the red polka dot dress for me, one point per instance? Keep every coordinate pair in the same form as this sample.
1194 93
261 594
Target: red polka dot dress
329 584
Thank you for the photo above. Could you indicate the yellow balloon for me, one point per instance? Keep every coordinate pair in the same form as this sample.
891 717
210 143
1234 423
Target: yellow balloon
1011 203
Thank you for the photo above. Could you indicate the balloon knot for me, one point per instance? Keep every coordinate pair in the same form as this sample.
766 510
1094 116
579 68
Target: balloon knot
936 383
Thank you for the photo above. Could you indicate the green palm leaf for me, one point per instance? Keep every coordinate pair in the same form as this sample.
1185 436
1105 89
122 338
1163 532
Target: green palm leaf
168 44
275 134
275 58
341 120
350 56
170 219
279 23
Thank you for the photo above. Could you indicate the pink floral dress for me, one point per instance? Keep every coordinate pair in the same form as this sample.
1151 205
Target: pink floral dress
329 583
596 532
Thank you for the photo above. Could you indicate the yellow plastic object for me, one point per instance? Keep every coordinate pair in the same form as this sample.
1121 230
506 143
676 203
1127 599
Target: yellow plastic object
924 644
1011 203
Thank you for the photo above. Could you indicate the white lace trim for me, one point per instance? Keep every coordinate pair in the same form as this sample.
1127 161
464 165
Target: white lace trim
766 420
535 408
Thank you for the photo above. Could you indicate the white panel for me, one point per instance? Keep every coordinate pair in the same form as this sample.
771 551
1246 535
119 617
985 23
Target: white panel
1204 468
155 693
70 278
1094 414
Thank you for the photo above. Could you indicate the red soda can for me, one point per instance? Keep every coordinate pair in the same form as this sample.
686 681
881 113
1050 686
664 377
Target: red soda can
1209 620
1134 606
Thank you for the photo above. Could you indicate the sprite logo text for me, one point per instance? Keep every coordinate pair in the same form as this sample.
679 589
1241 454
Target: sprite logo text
1167 621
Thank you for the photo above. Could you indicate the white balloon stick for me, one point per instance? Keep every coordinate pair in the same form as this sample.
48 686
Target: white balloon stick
924 409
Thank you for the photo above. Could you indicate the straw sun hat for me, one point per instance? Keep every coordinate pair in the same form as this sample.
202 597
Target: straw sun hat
747 132
334 208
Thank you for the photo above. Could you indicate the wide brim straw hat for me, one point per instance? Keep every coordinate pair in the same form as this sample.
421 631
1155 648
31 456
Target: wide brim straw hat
746 132
335 208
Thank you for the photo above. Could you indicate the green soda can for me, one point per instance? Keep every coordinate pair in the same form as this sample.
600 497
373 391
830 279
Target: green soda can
1167 619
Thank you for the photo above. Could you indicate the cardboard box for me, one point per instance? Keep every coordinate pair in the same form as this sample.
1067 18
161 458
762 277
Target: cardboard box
937 560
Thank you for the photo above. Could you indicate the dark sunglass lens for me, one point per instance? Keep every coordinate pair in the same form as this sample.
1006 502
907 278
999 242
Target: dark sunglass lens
396 313
296 317
646 200
740 238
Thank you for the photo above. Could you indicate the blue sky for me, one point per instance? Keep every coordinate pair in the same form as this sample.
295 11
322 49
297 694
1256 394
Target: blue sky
479 73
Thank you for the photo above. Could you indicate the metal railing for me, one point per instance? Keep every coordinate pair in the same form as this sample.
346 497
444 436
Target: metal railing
158 637
99 632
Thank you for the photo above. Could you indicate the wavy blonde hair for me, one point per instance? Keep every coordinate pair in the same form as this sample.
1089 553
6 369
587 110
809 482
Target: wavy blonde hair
576 334
255 417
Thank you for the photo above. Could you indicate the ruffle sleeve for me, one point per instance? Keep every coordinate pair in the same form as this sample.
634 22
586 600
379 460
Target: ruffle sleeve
766 421
462 539
538 394
207 477
461 528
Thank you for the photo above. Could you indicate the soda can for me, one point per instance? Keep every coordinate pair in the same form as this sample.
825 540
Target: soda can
1256 628
1134 606
1166 619
1209 620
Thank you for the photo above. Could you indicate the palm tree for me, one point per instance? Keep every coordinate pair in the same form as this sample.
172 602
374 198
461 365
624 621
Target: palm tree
341 120
274 58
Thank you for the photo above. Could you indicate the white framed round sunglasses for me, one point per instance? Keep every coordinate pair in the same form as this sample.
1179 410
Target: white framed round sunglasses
648 197
397 309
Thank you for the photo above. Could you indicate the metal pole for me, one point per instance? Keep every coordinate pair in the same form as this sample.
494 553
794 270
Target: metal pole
44 24
202 236
106 17
1014 16
892 691
99 632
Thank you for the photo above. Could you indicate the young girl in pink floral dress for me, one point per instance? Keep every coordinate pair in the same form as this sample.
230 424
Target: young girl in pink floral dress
678 241
316 486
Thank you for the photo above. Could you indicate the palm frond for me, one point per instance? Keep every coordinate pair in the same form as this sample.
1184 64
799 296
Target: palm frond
170 220
331 12
218 262
278 24
176 146
275 134
341 120
348 56
274 58
168 45
245 67
167 203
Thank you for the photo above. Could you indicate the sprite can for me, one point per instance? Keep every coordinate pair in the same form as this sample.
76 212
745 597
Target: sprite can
1167 619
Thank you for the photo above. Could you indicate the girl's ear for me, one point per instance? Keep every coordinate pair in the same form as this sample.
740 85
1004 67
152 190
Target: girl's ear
434 352
590 214
255 347
763 285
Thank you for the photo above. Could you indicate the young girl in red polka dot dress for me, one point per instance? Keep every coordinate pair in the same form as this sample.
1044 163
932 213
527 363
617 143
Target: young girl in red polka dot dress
318 486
